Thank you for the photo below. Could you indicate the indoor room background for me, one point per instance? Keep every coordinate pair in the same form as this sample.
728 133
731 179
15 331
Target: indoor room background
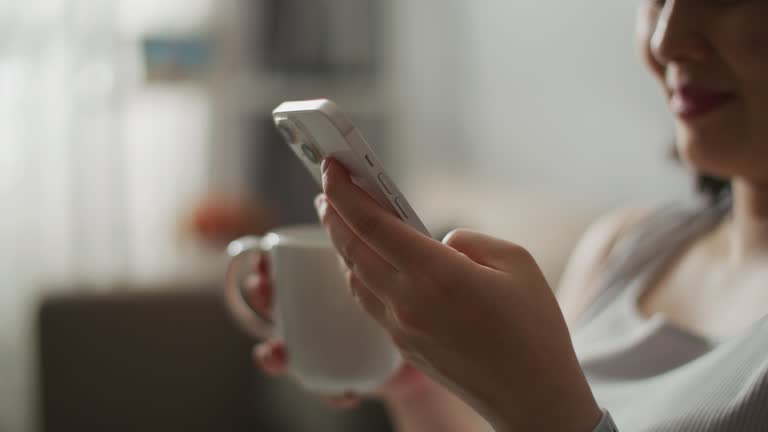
119 117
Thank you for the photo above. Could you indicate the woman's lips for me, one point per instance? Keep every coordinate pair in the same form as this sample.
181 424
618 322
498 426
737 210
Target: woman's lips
691 102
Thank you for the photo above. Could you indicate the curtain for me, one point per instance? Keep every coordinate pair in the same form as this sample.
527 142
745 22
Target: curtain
96 169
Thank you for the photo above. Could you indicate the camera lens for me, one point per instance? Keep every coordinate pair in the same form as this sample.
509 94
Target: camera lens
286 130
310 153
293 136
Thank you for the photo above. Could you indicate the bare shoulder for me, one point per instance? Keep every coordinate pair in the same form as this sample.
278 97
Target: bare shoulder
577 289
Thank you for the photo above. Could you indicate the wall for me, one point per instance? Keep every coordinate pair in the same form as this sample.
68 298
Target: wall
428 49
546 95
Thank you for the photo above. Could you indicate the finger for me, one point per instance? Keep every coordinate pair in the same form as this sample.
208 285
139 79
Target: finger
407 382
368 300
271 357
374 272
363 295
258 294
488 251
399 244
261 265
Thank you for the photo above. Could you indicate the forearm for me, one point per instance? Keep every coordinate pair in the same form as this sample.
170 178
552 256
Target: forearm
437 410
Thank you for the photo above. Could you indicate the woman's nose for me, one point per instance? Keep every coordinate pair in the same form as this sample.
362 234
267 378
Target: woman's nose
681 33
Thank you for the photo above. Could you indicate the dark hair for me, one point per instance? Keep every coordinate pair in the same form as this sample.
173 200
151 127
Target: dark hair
713 189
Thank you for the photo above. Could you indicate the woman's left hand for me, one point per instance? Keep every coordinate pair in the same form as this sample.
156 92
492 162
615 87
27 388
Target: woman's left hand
475 313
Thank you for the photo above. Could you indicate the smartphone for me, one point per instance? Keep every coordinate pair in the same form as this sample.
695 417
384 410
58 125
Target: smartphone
317 129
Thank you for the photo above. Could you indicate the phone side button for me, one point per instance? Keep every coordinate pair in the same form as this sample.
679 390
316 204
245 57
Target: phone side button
385 183
402 206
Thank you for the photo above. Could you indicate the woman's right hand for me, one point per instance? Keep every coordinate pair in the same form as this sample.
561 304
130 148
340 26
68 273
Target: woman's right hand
415 402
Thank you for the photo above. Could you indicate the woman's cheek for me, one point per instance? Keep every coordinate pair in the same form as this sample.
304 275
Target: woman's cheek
756 43
745 51
756 70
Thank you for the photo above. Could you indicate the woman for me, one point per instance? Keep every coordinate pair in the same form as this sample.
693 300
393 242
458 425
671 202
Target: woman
665 306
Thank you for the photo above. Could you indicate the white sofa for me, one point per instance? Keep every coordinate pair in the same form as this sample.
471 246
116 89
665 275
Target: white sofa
547 225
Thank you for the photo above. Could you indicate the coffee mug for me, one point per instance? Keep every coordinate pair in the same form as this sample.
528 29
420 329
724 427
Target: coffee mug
333 345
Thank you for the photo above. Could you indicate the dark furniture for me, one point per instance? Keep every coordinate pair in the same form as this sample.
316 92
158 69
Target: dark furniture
166 360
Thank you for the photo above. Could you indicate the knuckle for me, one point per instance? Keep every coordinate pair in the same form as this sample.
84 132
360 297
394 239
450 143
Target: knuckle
369 305
439 281
408 319
401 342
519 253
359 292
327 216
343 266
354 284
350 278
348 251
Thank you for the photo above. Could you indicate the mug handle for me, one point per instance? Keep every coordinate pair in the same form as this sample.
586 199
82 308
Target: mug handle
250 319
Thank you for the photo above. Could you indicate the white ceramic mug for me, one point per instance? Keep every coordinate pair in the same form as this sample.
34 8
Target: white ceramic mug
333 345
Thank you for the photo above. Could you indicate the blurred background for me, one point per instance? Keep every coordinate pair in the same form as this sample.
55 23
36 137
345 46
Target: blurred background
135 139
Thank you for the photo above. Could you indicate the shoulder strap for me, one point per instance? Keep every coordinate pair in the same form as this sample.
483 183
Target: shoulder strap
649 245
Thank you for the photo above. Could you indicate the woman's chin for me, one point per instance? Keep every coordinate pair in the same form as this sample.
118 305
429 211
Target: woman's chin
705 157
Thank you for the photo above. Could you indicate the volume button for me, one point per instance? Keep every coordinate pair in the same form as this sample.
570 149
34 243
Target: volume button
385 183
402 206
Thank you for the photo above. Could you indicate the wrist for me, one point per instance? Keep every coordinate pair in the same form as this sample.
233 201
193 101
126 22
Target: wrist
569 407
586 421
432 408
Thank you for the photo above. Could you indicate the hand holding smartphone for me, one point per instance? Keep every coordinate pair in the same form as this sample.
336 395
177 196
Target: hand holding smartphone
318 129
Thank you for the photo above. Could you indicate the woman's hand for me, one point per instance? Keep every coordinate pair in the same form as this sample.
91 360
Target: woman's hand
272 357
475 313
415 402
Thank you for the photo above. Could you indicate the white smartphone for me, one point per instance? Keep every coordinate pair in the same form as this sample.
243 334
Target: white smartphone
317 129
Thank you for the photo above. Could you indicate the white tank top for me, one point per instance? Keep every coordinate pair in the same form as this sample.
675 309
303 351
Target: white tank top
652 375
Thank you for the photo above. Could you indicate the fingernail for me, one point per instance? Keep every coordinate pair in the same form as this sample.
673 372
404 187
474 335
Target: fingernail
251 285
321 204
324 166
263 351
271 357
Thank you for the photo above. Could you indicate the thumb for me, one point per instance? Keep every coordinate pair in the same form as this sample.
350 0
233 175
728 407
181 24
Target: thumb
489 251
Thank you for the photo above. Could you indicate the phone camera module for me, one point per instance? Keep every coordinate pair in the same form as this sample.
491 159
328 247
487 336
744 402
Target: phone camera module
293 136
311 153
287 130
